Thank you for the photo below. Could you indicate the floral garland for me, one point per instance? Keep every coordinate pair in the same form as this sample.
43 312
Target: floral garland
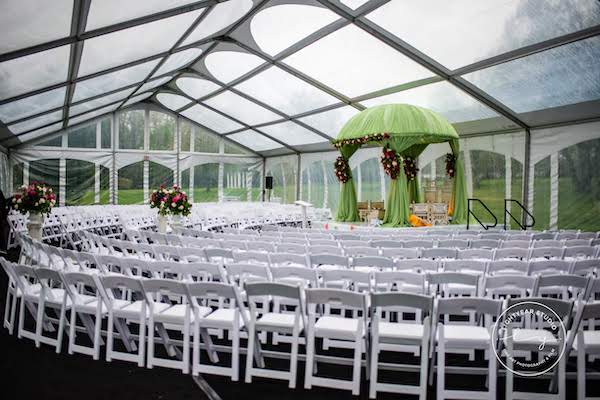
373 137
170 201
35 198
450 165
390 160
342 169
410 168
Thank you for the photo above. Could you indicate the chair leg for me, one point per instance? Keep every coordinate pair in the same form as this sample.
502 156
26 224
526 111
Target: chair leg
39 322
196 348
250 353
235 356
562 378
21 316
374 367
185 367
493 372
109 337
356 368
72 331
424 364
509 374
142 344
150 362
441 360
13 311
310 356
97 336
294 361
7 311
580 370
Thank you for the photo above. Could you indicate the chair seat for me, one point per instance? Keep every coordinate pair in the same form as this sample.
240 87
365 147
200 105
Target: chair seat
128 309
591 340
176 314
410 288
532 337
91 306
458 335
399 330
337 327
277 320
222 318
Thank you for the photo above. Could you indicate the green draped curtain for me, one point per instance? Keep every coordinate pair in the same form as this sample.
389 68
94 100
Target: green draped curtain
347 208
459 187
414 188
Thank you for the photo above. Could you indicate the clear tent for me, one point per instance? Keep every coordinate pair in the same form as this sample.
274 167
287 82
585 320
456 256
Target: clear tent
215 95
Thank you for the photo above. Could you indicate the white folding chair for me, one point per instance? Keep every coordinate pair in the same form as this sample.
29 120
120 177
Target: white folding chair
579 252
454 243
548 267
438 253
289 259
511 252
503 286
508 267
546 252
372 263
360 251
399 253
251 257
388 244
562 286
417 265
329 261
293 248
586 343
515 244
475 254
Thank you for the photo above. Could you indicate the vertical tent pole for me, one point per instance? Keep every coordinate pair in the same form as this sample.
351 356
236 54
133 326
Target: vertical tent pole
528 176
298 175
554 191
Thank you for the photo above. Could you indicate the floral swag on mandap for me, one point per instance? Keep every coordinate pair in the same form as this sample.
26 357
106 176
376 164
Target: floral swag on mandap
342 169
390 160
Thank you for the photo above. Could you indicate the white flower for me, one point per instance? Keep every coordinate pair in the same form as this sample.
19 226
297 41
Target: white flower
42 200
173 205
14 200
36 204
16 207
24 187
181 207
162 204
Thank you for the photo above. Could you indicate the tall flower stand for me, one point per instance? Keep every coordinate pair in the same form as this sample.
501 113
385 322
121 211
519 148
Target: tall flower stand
34 226
162 224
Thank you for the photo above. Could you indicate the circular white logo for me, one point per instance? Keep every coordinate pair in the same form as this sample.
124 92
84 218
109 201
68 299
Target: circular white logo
546 333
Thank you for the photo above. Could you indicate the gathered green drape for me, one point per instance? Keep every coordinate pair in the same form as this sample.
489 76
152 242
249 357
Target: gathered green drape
347 208
413 186
459 188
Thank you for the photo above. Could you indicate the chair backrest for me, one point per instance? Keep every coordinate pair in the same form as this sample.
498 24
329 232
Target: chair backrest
444 278
577 242
325 249
439 252
252 257
291 248
329 259
218 254
166 252
543 236
470 254
454 243
508 284
387 243
510 267
115 282
548 267
323 242
361 251
199 271
396 299
399 253
587 235
288 259
373 261
471 266
349 277
585 267
579 252
562 308
566 235
192 254
256 245
520 244
234 245
468 305
484 244
404 280
523 237
511 252
162 288
247 272
492 236
336 297
547 243
418 244
261 289
574 285
291 274
348 244
417 265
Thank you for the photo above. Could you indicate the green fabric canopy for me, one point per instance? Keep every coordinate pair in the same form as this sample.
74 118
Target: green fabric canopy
409 130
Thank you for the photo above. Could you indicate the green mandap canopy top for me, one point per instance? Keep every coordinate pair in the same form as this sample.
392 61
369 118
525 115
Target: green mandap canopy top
407 130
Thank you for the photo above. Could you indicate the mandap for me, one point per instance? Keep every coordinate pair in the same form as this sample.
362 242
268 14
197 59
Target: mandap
406 130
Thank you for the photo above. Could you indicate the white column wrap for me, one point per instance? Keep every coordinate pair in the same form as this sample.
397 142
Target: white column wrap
554 191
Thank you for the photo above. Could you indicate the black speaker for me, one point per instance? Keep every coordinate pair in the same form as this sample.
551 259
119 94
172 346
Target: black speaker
269 182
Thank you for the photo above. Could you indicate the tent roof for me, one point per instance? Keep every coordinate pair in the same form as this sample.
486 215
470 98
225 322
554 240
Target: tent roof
282 76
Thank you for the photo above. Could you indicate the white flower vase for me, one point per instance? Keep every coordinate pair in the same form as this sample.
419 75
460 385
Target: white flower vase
175 221
34 226
162 224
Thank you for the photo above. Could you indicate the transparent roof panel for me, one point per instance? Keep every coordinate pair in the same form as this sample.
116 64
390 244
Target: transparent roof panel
178 60
35 71
210 119
285 92
172 101
461 32
219 18
276 28
330 122
254 141
36 122
442 97
153 84
32 105
111 81
27 23
354 62
564 75
127 45
241 108
354 4
137 98
196 87
229 65
41 132
292 134
99 102
102 12
93 114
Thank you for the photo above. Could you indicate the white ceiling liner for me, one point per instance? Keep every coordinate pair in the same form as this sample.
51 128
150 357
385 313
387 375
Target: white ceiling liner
354 63
99 102
111 81
154 83
101 52
32 105
285 92
172 101
229 65
219 18
34 71
241 108
178 60
210 119
254 141
137 98
196 87
441 97
276 28
292 134
36 122
93 114
460 32
330 122
102 12
27 23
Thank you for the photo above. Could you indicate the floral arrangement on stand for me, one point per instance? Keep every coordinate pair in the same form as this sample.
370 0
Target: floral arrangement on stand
342 169
390 160
172 201
374 137
410 168
450 165
35 198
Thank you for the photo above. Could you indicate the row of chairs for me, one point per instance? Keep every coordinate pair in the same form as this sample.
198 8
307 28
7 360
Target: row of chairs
301 314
